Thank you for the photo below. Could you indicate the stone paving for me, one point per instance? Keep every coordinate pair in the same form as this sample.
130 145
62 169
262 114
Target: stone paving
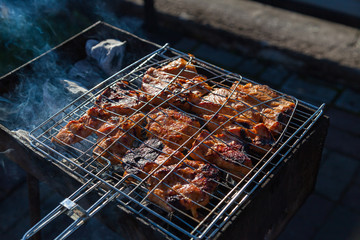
331 212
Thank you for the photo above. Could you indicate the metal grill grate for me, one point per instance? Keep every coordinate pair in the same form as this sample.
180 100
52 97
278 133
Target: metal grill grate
98 173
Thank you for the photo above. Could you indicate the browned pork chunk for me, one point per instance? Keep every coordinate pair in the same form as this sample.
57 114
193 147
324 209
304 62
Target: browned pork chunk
110 103
224 151
186 186
117 136
177 83
76 130
174 128
275 109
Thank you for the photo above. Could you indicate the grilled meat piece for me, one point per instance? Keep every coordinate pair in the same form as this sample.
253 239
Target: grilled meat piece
76 130
114 100
255 113
177 83
117 136
275 110
188 185
120 99
257 134
222 150
139 161
235 116
172 127
214 101
221 99
148 156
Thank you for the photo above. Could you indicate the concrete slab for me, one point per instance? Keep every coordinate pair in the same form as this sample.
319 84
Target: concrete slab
273 26
349 100
316 209
297 229
350 7
343 142
352 197
217 56
11 176
250 68
313 91
274 75
335 175
186 44
13 209
344 120
342 224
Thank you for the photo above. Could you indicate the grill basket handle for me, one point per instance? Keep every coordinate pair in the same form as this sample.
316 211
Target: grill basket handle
71 208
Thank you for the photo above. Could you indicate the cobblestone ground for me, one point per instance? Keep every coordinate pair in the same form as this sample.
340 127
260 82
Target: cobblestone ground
331 212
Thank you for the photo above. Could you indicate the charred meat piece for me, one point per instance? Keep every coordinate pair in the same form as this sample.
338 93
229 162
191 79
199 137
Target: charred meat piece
180 67
148 156
222 150
172 127
177 83
257 135
76 130
117 136
120 99
277 116
114 100
141 160
188 185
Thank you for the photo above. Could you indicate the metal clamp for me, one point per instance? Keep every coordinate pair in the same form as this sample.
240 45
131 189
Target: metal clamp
74 211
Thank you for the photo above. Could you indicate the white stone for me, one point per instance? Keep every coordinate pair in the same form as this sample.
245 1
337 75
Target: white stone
109 54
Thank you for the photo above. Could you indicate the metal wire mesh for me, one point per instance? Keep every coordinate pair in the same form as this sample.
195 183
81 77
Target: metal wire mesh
92 156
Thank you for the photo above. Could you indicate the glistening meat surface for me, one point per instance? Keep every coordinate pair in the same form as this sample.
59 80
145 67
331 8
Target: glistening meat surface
174 128
224 151
177 84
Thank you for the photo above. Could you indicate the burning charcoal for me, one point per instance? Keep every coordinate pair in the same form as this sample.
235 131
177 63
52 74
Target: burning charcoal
108 54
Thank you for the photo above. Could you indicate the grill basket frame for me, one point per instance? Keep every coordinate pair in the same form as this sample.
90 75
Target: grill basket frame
95 175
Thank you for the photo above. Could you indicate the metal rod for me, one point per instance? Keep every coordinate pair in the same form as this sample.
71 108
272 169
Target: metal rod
34 202
150 16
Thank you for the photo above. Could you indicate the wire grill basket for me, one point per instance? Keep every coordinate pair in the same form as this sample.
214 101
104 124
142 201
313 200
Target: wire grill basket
98 172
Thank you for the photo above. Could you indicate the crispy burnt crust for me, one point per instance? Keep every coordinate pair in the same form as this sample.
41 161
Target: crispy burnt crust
189 182
116 137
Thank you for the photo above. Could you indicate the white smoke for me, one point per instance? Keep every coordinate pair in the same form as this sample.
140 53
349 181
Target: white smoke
27 29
